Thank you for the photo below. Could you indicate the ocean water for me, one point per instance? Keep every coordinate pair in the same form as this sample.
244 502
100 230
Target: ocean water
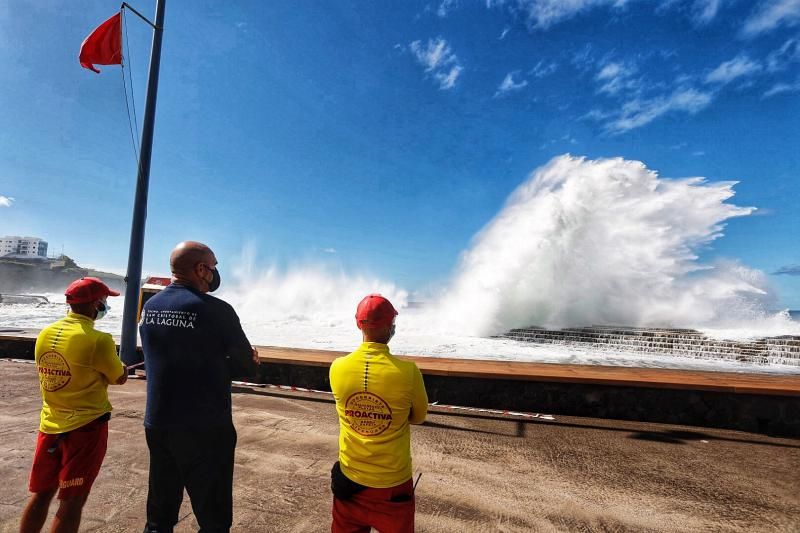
579 243
414 337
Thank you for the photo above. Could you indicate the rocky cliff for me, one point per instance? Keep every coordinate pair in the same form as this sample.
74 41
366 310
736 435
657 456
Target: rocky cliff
20 276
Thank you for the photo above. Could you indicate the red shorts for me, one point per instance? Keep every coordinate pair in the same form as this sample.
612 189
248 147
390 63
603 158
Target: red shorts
375 508
69 461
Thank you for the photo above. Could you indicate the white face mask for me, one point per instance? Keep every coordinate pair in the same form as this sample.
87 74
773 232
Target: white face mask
102 310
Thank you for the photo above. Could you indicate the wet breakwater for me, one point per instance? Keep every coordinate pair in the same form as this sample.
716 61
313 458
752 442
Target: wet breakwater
782 350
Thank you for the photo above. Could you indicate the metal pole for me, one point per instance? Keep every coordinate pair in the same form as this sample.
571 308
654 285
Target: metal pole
134 274
130 7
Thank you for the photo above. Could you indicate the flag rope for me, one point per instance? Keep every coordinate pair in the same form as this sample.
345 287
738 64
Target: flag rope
135 123
130 75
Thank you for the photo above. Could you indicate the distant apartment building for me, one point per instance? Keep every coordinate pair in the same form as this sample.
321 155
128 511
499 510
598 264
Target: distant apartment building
24 246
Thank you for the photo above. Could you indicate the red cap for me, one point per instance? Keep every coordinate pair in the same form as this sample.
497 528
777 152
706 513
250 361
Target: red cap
87 290
375 311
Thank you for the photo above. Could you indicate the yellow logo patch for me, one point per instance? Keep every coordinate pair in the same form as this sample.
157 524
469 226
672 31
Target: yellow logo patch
54 371
367 413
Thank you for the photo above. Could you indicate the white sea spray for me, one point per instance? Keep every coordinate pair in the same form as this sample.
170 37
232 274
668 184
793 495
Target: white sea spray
606 241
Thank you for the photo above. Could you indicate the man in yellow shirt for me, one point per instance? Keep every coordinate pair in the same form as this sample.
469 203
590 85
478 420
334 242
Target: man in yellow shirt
377 397
75 363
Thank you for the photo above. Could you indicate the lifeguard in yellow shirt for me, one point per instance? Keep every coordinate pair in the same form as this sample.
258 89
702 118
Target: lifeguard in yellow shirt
76 363
377 397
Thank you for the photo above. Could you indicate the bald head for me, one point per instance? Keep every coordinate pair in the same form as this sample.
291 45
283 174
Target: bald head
187 254
190 263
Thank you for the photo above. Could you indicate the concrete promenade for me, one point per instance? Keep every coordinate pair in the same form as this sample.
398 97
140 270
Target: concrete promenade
480 473
747 402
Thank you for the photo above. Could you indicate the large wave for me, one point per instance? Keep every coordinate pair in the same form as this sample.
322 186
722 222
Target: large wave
605 241
581 242
302 303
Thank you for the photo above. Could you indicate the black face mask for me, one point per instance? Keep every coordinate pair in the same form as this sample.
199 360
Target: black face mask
215 280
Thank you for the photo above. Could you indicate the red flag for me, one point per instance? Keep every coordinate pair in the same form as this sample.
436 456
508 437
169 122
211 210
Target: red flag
103 46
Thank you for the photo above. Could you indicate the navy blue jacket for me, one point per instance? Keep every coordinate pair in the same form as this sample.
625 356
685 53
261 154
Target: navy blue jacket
193 344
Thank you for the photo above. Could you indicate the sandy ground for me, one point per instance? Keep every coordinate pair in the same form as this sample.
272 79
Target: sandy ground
479 473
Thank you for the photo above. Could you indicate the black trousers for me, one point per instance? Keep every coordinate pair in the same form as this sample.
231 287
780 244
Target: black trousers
200 461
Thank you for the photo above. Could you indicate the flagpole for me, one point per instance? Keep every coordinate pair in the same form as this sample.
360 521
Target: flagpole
134 273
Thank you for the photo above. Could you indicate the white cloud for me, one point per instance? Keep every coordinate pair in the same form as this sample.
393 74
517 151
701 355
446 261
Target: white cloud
701 12
329 250
567 138
780 88
597 115
584 59
435 54
508 84
638 101
504 33
6 201
770 15
704 11
438 60
447 80
541 69
609 71
542 14
735 68
445 7
779 59
616 77
638 112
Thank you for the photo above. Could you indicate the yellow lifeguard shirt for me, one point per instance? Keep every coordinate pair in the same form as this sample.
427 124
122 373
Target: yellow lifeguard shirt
377 396
75 364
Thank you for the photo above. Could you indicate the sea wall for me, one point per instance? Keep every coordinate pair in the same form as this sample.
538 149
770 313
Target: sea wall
783 350
770 413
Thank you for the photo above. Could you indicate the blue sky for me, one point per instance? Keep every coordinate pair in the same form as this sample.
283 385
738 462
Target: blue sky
379 137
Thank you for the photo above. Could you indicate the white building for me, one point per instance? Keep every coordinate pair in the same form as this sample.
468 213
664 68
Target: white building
30 246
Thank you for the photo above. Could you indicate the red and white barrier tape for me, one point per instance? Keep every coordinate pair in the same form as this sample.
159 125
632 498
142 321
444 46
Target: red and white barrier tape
436 405
500 412
514 414
291 388
31 361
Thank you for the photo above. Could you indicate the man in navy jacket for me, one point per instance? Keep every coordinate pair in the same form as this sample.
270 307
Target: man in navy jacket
193 345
